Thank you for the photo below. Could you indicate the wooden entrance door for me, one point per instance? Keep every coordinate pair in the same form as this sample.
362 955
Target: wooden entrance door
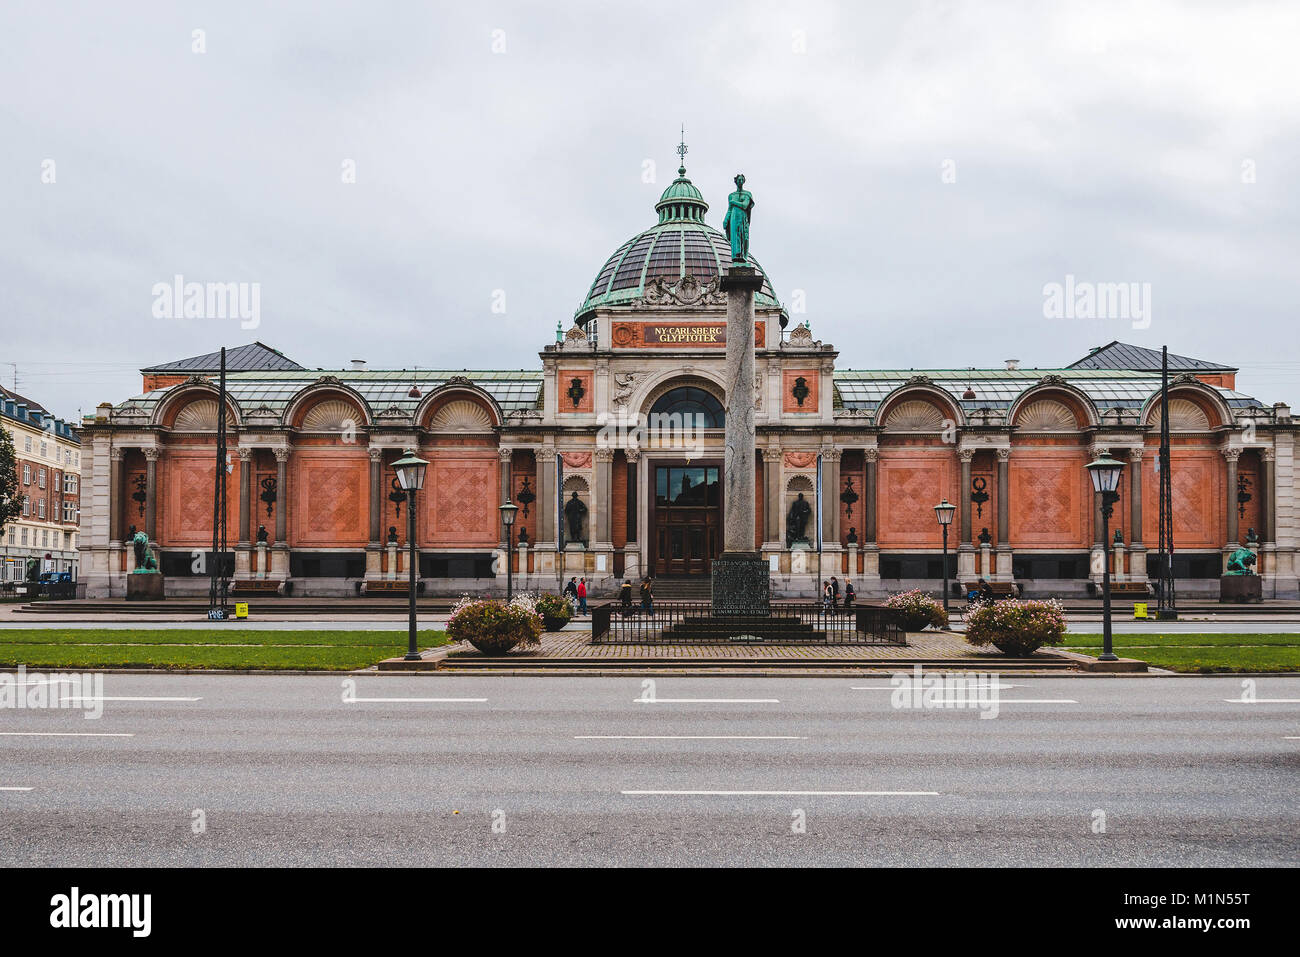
686 517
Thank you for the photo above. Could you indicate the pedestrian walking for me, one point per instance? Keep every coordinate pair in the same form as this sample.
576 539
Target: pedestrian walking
850 596
582 596
625 596
571 588
835 592
647 595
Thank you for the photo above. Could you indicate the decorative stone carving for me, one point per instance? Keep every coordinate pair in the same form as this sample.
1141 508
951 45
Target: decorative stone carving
624 386
576 460
332 415
800 460
915 415
458 380
1046 415
461 415
687 291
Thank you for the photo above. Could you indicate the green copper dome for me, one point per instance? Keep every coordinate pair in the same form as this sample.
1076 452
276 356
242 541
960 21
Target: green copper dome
680 245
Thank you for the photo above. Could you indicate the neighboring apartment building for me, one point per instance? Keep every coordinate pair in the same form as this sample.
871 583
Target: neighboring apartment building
49 475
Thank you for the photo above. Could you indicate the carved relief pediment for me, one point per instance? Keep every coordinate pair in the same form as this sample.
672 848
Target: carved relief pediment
687 291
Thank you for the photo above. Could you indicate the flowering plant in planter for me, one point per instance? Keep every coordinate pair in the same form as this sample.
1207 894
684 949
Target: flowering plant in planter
556 610
494 627
916 610
1017 627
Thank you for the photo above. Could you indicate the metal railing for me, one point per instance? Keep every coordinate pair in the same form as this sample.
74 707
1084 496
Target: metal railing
789 623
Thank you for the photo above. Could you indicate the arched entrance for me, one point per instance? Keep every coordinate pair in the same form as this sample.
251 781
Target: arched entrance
685 493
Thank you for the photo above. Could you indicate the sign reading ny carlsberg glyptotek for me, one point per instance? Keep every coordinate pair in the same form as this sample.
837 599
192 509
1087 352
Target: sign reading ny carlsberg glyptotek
679 334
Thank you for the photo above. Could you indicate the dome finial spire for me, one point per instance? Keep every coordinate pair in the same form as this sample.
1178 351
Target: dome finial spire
681 151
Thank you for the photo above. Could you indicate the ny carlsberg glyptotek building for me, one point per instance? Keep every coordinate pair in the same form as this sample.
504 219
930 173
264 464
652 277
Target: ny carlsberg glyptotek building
613 450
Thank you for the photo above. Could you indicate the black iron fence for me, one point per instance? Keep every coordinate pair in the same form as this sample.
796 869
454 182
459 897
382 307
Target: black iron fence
789 623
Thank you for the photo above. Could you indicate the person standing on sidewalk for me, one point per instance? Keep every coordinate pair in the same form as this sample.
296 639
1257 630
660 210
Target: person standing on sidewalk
582 596
647 595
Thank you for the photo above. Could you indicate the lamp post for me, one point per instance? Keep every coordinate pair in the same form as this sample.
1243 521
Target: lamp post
508 511
1105 473
410 470
944 512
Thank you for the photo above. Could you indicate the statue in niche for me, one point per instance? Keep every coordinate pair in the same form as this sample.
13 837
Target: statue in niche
796 522
575 513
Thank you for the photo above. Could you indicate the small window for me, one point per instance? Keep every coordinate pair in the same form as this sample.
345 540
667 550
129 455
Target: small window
27 443
40 509
40 478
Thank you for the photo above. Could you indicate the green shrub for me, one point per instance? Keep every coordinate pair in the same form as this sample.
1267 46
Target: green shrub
1017 627
917 610
494 627
556 610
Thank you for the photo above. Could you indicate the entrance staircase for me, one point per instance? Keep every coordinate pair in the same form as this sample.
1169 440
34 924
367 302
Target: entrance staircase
681 589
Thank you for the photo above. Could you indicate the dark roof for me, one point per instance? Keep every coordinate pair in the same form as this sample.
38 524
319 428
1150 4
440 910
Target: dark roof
1123 355
254 357
32 404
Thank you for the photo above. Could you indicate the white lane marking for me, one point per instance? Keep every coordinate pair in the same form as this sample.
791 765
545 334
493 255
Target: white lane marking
908 688
688 737
408 700
706 701
66 734
49 681
1264 701
1291 737
127 698
14 789
790 793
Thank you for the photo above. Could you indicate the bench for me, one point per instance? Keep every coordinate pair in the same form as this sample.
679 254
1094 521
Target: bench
397 587
1000 589
1141 589
252 587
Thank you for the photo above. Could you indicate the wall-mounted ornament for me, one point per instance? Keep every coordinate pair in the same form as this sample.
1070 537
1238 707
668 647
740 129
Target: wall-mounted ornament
848 496
397 496
525 495
269 492
1243 494
141 493
576 391
979 494
800 390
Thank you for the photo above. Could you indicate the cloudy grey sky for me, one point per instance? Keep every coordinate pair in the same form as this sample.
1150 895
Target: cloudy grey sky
501 146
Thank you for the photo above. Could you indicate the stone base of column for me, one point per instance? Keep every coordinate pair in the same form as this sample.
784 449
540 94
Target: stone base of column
263 558
544 559
986 562
1137 563
965 563
1097 559
280 562
374 563
632 561
1003 572
741 586
1117 570
243 560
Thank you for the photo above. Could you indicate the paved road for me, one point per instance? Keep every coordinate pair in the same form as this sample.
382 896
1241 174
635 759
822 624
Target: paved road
286 772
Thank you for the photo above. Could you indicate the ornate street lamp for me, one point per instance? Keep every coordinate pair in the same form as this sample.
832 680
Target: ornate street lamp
410 470
1105 473
508 511
944 512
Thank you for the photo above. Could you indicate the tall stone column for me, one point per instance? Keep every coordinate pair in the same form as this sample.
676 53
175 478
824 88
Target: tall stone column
831 502
870 550
966 545
151 493
117 471
244 547
546 508
1234 538
504 458
1005 553
772 498
1137 557
280 550
603 496
741 585
245 477
374 544
1268 521
632 550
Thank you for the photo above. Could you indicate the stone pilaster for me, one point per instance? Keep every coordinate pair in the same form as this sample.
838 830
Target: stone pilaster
151 493
1006 555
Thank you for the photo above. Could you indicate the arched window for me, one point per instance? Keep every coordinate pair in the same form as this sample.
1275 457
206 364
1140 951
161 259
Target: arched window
704 410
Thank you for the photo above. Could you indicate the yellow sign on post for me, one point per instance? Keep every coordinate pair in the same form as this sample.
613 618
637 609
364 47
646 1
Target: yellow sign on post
241 609
1139 609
